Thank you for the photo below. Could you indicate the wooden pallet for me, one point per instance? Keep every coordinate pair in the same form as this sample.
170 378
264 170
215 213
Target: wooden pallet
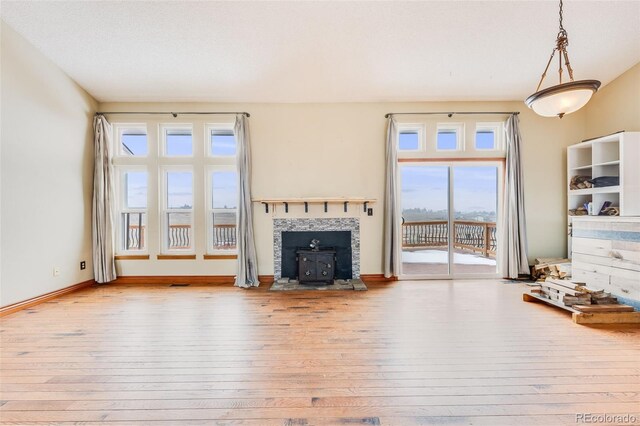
588 317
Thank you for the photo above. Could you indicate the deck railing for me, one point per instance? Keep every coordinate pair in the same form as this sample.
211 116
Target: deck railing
135 237
479 237
224 237
179 237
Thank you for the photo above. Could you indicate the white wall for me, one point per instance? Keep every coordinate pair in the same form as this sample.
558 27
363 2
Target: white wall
292 143
46 174
616 106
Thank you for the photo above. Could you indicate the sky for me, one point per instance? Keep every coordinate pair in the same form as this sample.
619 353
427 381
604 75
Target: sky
225 187
136 190
475 187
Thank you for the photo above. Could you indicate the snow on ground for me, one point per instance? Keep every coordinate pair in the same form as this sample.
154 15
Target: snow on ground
440 256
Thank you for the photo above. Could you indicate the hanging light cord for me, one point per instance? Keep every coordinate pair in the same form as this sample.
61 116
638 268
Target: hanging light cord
562 41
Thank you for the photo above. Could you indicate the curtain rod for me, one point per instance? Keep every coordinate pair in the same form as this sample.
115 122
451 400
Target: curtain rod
452 113
175 114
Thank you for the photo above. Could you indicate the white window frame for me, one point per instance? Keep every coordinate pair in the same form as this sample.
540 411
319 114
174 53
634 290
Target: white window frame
222 128
458 128
137 129
210 210
165 128
498 130
164 209
121 206
418 128
216 163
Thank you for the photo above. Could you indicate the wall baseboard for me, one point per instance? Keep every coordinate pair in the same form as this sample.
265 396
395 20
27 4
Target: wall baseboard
376 278
175 279
10 309
185 279
266 279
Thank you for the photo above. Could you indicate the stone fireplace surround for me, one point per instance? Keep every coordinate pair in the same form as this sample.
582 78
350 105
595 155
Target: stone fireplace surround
316 224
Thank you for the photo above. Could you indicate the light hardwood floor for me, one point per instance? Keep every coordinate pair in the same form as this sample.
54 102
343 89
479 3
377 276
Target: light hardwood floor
461 352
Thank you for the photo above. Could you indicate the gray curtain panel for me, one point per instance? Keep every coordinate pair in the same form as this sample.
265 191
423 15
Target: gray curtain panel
391 221
513 244
247 258
104 267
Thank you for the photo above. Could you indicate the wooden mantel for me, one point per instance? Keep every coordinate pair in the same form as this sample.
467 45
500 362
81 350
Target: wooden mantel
315 200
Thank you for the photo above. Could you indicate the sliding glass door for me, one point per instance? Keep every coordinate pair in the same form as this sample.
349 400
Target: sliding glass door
425 220
449 219
475 201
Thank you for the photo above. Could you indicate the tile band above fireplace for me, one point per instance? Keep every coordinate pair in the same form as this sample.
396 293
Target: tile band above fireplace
333 224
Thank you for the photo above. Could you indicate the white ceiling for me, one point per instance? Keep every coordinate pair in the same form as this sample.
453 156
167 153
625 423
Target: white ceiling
324 51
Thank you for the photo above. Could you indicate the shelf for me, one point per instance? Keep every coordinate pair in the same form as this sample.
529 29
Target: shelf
590 166
608 163
589 191
582 167
345 201
315 200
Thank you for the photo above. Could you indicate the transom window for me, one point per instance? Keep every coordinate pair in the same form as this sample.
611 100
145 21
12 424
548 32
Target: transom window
132 141
485 139
178 141
409 141
411 137
449 137
488 136
222 143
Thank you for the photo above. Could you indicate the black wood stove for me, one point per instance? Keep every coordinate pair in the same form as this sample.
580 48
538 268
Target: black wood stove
316 265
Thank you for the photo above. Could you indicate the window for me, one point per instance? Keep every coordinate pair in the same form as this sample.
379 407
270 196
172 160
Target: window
132 141
131 148
408 141
132 220
223 208
488 136
485 139
178 141
449 137
164 171
222 189
177 220
410 137
222 142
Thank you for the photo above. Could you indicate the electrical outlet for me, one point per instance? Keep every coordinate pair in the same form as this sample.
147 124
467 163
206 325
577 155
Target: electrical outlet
369 211
83 265
56 271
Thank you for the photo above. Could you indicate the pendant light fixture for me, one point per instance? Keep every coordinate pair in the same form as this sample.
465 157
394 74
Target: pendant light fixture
563 98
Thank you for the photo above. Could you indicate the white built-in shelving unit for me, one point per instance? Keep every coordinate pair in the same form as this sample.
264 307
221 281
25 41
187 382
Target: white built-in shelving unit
613 155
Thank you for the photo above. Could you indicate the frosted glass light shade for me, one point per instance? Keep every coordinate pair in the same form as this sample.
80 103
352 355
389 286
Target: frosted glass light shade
562 99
